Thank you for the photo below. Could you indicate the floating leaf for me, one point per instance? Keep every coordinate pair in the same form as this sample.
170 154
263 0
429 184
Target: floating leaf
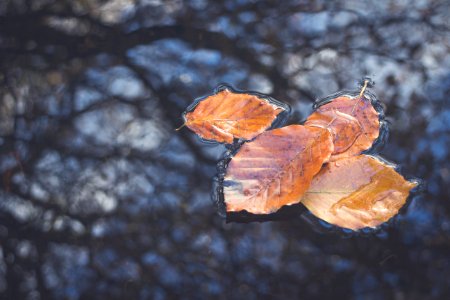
227 115
353 122
357 192
275 169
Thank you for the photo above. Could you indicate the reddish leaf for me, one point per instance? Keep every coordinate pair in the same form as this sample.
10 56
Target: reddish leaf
357 192
275 169
227 115
353 122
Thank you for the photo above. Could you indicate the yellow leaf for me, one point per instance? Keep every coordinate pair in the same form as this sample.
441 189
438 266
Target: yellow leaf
357 192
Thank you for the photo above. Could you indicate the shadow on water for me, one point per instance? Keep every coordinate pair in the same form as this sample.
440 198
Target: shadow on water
100 198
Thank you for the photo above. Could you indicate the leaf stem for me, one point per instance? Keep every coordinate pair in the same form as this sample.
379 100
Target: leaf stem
184 124
366 82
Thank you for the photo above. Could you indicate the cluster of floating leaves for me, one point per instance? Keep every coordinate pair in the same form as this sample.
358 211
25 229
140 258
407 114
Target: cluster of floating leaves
322 164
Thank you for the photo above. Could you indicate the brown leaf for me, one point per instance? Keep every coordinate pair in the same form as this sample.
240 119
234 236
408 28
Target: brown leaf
353 122
228 115
275 169
357 192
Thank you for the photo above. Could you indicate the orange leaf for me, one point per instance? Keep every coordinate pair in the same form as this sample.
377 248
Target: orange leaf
227 115
275 169
352 121
357 192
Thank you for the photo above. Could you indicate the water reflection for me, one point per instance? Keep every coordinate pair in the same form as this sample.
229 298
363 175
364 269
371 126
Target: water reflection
100 198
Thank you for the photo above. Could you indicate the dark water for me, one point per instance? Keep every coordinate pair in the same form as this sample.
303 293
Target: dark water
102 199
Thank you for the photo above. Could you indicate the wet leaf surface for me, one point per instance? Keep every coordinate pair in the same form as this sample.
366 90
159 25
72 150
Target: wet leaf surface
275 169
357 192
227 115
353 122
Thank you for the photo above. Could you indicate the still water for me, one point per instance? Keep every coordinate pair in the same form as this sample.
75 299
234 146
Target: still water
101 198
